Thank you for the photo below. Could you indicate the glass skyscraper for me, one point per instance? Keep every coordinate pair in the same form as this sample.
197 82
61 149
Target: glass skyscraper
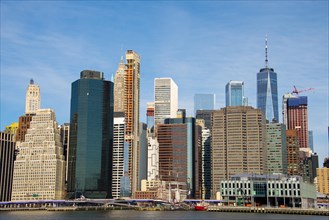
91 136
234 93
267 91
204 102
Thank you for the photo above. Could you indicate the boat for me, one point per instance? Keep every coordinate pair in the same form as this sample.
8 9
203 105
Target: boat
200 207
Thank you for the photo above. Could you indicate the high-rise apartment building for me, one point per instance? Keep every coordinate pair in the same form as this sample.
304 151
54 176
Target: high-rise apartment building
293 153
238 143
276 148
323 180
267 91
285 98
7 157
118 152
204 102
132 101
119 87
165 99
297 118
234 91
32 98
39 170
91 136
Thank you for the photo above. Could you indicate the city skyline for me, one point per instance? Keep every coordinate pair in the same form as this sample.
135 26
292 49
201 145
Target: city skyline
201 46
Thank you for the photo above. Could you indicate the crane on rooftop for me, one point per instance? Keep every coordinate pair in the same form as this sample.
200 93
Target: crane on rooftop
296 91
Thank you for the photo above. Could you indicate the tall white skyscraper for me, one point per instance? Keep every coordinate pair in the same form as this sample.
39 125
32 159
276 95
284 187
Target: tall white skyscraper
165 99
32 101
119 87
118 152
39 170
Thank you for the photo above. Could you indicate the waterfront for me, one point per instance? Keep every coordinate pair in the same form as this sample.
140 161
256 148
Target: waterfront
147 215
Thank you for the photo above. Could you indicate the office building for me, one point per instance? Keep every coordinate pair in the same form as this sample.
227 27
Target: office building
118 152
7 157
150 115
238 143
32 98
234 92
143 153
276 148
91 136
165 99
206 116
293 153
65 139
132 102
297 118
152 157
119 87
310 140
204 102
267 91
323 180
309 165
39 169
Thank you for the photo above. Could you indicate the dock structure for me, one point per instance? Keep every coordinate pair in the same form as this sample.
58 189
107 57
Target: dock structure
295 211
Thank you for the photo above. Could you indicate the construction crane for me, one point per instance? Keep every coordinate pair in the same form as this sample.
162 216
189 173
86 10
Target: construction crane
296 91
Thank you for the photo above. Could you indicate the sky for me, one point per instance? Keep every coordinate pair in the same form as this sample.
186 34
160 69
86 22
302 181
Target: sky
201 45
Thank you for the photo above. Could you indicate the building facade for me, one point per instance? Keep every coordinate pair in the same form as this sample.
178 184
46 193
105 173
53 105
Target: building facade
267 91
165 99
204 102
32 98
292 153
238 143
39 169
119 87
150 115
91 136
65 139
132 102
7 157
323 180
234 93
276 148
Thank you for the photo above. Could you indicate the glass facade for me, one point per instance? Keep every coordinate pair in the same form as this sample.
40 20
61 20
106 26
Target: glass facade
91 136
204 102
267 93
234 93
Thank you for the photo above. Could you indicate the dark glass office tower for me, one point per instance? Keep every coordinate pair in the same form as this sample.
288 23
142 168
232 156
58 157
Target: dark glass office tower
91 136
267 91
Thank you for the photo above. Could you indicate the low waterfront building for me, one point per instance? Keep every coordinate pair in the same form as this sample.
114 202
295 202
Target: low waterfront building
268 190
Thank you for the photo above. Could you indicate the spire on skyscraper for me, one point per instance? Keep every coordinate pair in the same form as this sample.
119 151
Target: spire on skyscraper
266 60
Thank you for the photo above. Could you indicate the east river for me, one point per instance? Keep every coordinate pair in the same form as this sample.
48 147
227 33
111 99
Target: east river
146 215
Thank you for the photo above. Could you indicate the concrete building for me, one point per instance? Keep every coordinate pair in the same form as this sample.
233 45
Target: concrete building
118 152
276 148
91 136
132 102
119 87
323 180
293 153
165 99
32 98
268 190
7 157
238 143
39 170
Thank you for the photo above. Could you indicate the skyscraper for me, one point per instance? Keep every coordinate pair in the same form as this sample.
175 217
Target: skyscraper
65 139
91 136
150 115
297 118
204 102
39 170
119 87
165 99
238 143
118 152
293 153
7 156
132 99
32 98
234 93
267 91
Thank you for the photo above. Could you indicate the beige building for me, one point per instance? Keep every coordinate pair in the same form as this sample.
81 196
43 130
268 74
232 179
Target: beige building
238 143
119 87
323 180
32 98
39 170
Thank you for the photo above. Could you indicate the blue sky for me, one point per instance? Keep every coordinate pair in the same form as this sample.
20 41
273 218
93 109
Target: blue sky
200 44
